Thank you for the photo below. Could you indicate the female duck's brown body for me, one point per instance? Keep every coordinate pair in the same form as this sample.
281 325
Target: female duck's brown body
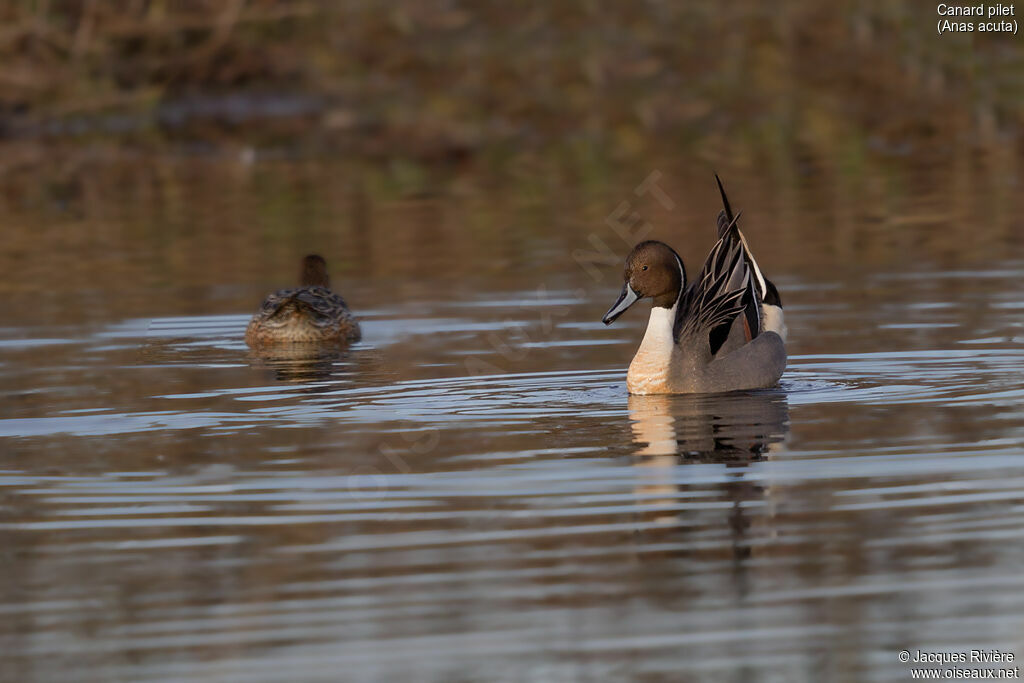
309 313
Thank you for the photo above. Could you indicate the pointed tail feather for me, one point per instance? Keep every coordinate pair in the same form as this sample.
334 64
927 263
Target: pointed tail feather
727 212
762 282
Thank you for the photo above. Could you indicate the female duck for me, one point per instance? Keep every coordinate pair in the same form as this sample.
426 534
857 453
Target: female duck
310 312
717 334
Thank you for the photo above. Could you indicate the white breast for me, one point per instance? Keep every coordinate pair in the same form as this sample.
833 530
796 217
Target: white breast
649 371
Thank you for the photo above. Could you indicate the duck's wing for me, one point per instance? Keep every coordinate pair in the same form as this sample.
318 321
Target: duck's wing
723 290
316 302
767 291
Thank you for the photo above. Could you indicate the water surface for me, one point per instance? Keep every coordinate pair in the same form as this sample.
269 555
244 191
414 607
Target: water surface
469 493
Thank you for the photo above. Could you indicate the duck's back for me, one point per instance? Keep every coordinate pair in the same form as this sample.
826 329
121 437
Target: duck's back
302 314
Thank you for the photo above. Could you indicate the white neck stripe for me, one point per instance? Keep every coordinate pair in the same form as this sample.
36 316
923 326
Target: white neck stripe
682 281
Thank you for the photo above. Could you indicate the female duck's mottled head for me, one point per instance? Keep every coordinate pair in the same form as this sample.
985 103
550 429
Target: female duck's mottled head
314 272
653 269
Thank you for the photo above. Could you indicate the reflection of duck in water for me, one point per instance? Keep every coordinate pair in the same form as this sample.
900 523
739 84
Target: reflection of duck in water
301 362
733 430
309 313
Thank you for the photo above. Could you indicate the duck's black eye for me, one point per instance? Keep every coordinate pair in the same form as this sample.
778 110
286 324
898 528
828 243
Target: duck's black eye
644 268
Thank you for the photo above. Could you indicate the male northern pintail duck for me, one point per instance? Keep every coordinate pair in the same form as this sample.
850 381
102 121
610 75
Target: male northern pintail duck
310 312
723 332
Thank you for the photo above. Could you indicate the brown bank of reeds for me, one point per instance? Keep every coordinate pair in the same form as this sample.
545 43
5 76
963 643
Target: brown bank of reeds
439 79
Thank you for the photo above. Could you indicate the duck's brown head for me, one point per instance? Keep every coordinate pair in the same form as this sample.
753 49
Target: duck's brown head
653 269
314 272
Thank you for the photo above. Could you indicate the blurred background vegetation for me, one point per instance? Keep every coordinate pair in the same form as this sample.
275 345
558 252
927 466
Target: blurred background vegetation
202 142
440 81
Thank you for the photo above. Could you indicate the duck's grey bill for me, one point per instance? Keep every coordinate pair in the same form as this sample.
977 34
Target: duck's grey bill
626 299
